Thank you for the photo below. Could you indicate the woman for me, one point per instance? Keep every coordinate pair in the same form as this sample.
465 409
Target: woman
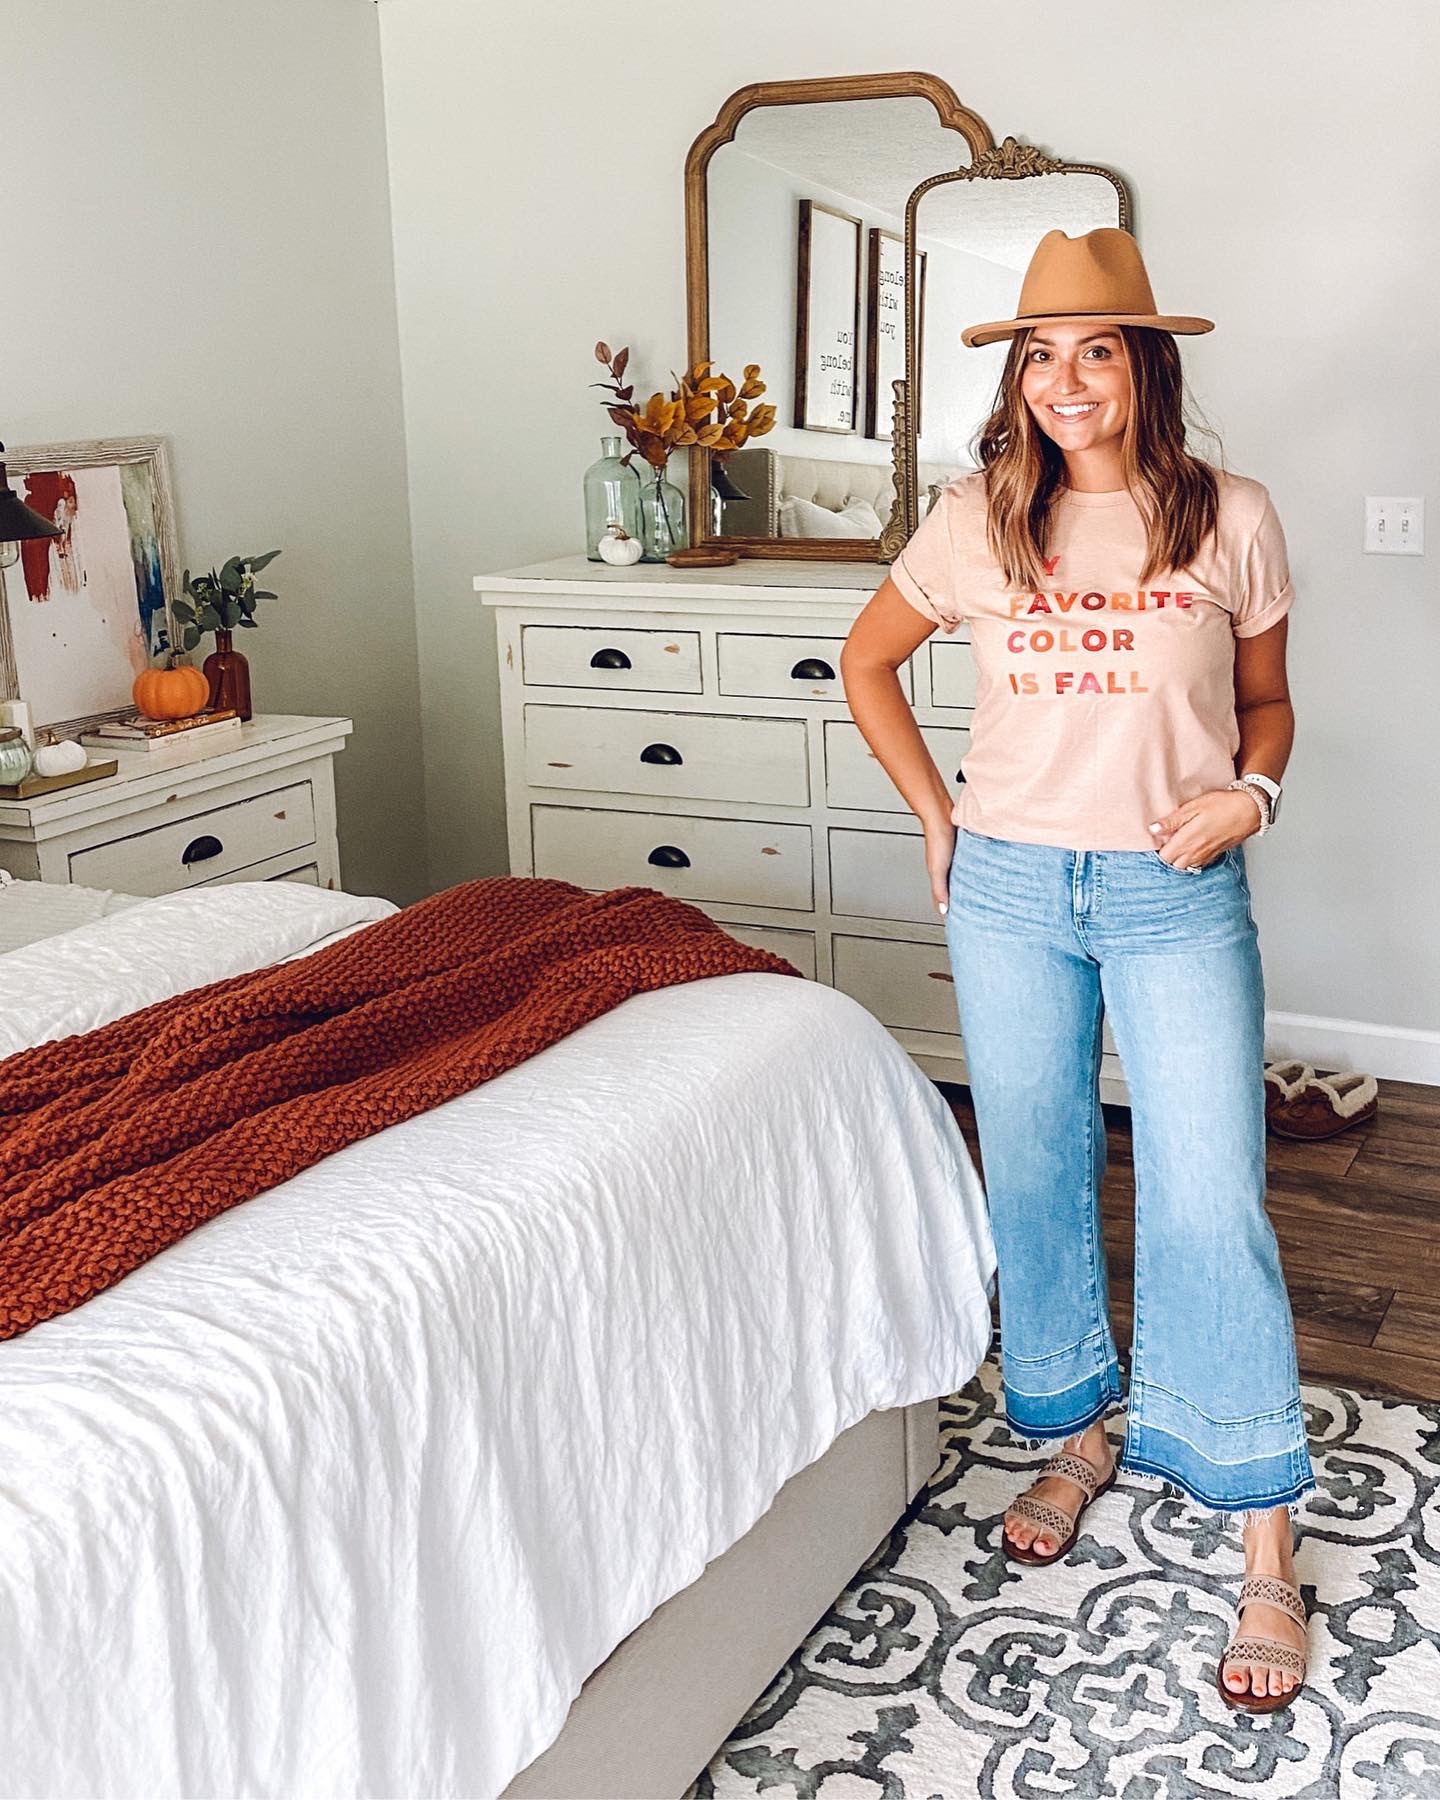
1127 607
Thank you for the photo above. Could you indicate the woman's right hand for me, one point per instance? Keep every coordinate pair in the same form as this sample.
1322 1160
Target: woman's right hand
940 835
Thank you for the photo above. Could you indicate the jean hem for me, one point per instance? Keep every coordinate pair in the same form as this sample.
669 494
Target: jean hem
1288 1497
1033 1435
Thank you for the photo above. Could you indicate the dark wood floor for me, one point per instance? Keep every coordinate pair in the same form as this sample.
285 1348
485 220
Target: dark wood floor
1358 1219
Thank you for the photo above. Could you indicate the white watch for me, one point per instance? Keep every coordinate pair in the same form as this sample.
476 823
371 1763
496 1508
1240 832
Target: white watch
1271 790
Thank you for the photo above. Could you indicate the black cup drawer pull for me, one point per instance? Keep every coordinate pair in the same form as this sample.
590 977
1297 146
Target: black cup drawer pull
668 856
609 659
662 753
959 774
201 849
812 668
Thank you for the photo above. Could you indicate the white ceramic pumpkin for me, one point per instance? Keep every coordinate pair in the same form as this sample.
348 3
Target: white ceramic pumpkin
62 756
618 548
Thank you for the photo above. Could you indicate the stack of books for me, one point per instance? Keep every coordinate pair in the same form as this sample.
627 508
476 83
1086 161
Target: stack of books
203 731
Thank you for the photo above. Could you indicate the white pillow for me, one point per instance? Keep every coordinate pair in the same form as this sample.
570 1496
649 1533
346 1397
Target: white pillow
804 519
31 911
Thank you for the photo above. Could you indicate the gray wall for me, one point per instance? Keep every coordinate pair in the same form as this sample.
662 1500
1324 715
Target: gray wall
1284 164
196 242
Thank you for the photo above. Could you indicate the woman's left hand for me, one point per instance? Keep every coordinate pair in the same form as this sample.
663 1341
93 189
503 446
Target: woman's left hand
1206 827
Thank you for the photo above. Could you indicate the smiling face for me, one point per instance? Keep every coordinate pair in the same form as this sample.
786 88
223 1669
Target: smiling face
1076 382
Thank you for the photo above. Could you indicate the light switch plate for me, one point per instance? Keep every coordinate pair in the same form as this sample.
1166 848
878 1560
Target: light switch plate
1394 527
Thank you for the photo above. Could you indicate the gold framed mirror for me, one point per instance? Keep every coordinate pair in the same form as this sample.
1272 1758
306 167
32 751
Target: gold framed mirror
795 208
977 228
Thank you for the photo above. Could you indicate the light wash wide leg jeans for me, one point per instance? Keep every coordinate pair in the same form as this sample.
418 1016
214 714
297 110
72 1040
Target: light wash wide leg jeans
1044 942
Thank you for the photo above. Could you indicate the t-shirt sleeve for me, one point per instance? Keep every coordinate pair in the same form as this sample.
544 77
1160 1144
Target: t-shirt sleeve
1266 591
924 571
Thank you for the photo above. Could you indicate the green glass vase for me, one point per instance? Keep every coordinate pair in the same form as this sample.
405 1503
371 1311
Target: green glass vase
662 516
612 496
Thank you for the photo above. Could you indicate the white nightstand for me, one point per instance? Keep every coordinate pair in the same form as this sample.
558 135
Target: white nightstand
261 809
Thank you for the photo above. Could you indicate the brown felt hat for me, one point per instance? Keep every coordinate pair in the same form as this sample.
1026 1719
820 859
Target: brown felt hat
1099 275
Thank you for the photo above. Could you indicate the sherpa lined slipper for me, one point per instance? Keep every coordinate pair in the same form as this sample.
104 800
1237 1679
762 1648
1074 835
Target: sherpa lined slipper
1282 1081
1325 1105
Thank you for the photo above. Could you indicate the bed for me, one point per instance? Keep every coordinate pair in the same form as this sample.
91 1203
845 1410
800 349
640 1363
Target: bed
510 1450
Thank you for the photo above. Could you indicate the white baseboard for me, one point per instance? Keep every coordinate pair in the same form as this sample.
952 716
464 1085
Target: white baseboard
1390 1052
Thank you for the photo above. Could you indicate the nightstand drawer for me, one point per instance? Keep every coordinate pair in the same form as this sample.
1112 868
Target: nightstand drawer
880 875
906 986
767 666
187 852
952 675
854 779
610 657
725 861
694 756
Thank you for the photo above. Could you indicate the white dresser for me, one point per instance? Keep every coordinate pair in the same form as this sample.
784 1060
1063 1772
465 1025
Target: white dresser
261 809
687 730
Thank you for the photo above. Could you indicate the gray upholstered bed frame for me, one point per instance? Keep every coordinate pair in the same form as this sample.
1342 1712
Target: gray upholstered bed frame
654 1713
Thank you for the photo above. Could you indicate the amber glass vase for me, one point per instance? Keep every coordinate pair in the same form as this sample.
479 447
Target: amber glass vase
228 673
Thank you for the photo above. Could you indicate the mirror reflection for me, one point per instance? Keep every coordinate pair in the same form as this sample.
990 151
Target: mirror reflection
976 237
806 210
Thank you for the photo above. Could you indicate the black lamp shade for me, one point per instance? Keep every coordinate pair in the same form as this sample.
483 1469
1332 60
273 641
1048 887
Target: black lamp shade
18 521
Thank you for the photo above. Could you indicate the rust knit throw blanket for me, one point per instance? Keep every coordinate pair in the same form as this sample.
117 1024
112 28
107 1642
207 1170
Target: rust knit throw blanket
116 1142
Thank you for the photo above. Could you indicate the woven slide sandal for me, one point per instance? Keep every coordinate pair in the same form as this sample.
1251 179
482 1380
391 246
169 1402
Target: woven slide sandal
1054 1519
1264 1653
1282 1081
1322 1106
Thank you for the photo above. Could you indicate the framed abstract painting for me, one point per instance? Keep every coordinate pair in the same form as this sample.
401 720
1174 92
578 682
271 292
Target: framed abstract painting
83 613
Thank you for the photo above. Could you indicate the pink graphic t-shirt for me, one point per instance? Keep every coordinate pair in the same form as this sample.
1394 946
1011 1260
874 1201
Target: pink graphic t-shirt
1101 704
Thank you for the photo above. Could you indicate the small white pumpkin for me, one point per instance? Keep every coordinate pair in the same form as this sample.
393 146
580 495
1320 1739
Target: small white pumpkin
618 547
59 756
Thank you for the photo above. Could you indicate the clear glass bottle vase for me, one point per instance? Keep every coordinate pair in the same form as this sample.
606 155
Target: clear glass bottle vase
612 496
662 516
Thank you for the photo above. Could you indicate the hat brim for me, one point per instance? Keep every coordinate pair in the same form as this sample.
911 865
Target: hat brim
1180 323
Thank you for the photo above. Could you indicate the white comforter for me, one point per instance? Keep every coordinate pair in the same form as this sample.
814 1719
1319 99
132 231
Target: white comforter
347 1492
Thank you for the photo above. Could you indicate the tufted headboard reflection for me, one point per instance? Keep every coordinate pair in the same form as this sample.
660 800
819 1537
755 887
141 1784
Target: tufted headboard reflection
770 476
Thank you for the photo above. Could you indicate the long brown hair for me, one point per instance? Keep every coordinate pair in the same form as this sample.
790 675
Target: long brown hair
1177 493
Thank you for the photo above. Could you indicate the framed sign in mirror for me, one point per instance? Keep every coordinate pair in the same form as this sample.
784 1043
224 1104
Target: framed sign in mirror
885 287
827 319
782 195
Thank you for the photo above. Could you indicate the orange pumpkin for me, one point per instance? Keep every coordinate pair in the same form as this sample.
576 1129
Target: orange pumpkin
174 692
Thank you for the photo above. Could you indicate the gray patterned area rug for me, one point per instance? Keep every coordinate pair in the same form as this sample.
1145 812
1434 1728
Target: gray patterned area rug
942 1671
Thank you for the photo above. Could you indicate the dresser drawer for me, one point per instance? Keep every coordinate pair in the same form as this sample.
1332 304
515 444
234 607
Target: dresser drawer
665 662
797 947
725 861
952 675
855 780
768 666
696 756
880 875
906 986
188 852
